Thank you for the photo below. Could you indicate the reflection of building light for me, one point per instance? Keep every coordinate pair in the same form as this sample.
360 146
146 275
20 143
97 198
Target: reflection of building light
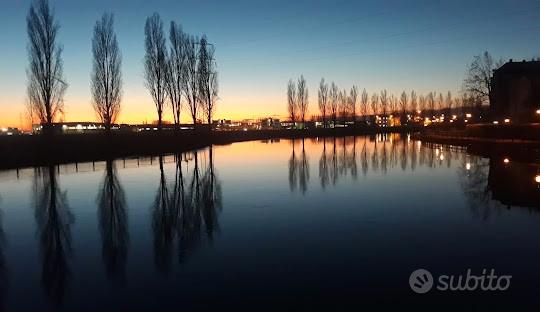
507 120
495 122
442 157
506 160
538 111
468 115
466 120
437 152
537 178
454 116
245 129
468 166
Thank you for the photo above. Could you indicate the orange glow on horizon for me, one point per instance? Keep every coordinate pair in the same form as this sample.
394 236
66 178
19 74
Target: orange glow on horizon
143 111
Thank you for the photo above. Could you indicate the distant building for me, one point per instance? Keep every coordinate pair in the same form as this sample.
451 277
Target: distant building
515 92
270 124
9 131
94 127
387 121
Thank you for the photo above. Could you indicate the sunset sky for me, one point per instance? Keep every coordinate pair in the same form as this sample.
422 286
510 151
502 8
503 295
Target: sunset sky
397 45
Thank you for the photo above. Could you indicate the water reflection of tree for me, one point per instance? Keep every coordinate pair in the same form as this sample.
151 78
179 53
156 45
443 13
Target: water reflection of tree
384 152
162 223
364 158
323 167
403 156
299 170
334 173
201 209
113 223
54 221
303 170
187 210
293 164
384 157
474 183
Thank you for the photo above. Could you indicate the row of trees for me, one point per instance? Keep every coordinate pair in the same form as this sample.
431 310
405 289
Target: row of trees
297 100
333 102
346 105
181 73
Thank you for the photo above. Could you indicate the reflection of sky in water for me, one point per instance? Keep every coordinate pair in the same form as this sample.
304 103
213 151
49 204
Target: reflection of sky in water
286 219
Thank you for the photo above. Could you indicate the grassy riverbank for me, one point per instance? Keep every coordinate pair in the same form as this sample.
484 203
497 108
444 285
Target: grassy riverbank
25 151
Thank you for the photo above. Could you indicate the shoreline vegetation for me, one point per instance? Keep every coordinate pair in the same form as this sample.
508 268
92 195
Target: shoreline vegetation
39 150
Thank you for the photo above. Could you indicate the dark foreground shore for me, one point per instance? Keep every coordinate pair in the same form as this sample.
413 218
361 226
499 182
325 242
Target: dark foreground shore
27 151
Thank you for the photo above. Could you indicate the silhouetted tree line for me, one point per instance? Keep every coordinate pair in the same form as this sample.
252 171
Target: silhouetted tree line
297 101
337 106
181 74
187 71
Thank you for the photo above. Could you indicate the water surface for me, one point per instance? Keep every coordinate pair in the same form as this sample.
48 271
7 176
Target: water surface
312 223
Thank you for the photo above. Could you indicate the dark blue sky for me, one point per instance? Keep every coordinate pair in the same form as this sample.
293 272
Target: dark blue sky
398 45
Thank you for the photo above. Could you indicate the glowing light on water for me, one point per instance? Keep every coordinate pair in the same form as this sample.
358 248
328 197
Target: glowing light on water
468 166
537 178
506 160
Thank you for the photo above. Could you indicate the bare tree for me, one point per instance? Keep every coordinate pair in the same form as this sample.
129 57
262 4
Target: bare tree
393 103
384 102
334 102
46 84
414 103
291 102
430 101
176 64
207 80
353 96
106 73
323 100
191 82
343 105
155 62
448 103
404 105
375 103
478 79
422 104
302 95
364 99
440 103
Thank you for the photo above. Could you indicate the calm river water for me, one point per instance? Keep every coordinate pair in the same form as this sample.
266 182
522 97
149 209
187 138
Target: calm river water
319 223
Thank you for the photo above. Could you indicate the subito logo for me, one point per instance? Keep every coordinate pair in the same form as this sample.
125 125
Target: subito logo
421 281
